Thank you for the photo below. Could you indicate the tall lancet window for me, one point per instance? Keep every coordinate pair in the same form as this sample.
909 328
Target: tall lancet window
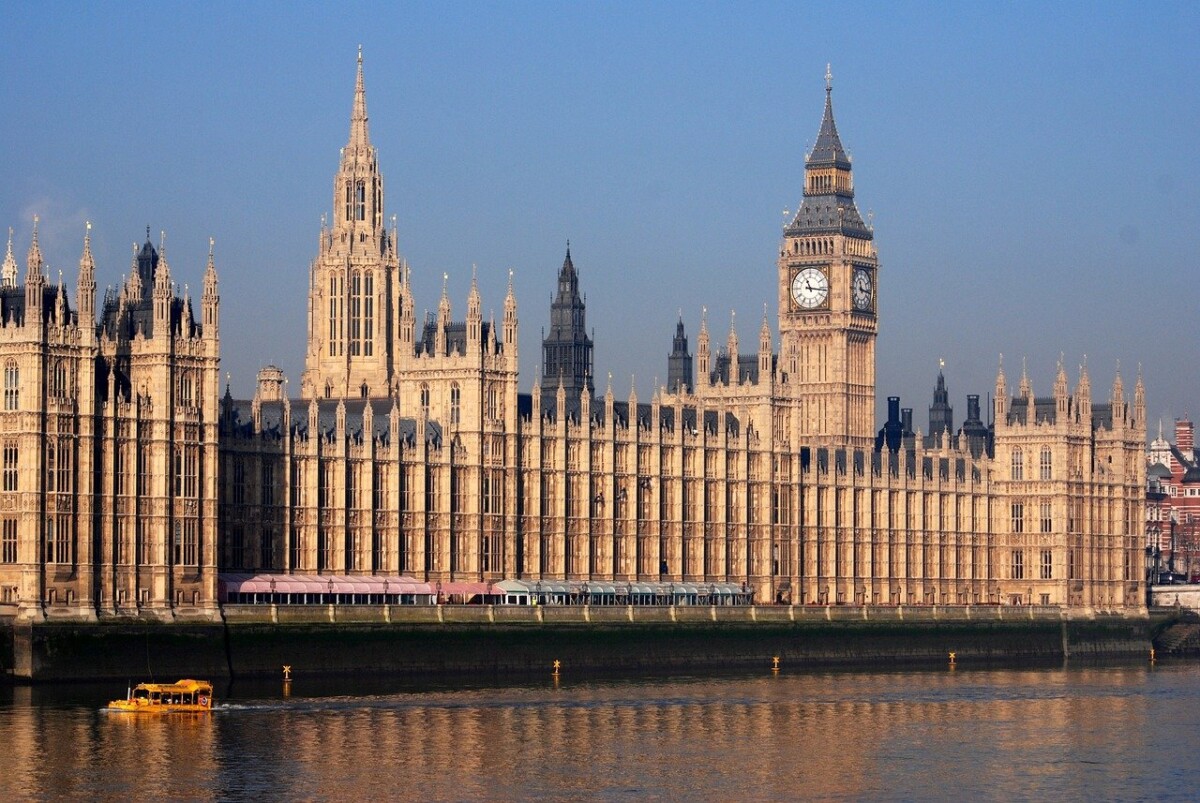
360 201
335 316
355 312
368 314
12 385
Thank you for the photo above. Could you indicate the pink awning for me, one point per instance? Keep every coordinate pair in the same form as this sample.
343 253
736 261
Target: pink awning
320 584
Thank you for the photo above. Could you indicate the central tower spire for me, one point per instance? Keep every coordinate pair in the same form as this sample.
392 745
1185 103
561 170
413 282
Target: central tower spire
353 290
359 137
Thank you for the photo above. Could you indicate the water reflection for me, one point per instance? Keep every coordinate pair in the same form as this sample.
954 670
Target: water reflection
1108 731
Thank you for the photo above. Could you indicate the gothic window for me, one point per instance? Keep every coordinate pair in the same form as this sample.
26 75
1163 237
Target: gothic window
347 200
185 472
1046 464
360 201
58 380
1018 517
186 551
58 539
1018 565
295 548
11 455
355 312
335 316
425 398
1018 465
266 552
299 489
239 482
1047 519
8 540
51 458
63 467
379 476
186 390
1047 564
455 403
368 326
143 473
268 484
119 468
12 385
324 485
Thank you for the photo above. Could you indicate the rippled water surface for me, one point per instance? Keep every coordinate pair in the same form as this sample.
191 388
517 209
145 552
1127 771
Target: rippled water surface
1124 732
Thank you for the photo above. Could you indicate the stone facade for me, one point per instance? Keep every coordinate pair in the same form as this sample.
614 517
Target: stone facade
411 448
110 442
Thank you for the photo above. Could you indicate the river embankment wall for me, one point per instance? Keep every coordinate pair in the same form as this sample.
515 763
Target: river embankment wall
257 641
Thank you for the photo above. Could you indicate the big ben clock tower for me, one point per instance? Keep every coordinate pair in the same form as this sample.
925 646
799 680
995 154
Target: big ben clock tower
828 294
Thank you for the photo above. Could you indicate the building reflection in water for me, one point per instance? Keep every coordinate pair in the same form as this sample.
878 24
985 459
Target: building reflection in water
831 735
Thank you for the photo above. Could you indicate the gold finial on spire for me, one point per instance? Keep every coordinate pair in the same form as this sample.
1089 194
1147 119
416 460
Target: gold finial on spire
828 77
941 363
88 225
360 54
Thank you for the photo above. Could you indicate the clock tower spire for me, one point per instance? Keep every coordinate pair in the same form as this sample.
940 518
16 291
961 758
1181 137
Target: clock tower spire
828 285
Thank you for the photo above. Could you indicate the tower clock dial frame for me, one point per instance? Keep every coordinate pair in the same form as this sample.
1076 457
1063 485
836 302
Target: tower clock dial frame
862 290
810 288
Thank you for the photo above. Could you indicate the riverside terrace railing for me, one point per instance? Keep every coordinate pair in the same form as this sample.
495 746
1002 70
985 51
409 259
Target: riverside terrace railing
748 615
295 589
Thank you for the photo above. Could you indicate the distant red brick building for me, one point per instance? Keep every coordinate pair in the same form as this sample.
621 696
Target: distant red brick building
1173 503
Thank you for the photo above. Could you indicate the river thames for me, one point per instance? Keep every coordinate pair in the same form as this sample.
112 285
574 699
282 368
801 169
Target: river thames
1124 732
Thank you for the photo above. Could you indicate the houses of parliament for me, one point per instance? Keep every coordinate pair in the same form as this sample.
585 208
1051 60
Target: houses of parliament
131 479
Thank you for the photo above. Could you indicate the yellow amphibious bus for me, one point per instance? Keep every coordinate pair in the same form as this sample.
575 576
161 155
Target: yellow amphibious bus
184 696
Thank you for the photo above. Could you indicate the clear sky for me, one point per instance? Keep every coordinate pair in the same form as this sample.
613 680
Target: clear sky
1032 168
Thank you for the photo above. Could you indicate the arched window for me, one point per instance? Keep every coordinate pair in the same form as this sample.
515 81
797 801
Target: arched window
455 403
12 385
360 201
335 316
368 307
355 312
186 393
425 398
1047 464
1018 465
58 380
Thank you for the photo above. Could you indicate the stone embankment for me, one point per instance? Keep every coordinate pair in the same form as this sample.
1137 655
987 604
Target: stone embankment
257 641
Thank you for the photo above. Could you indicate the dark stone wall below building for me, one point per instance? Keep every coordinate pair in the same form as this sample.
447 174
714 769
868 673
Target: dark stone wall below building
445 640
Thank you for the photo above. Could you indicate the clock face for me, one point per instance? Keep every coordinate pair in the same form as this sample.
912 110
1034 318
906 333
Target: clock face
810 288
862 290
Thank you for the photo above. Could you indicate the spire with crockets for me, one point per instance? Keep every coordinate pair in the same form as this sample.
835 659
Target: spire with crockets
828 204
567 349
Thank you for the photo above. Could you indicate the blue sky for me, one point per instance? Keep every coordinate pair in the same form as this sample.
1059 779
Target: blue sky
1032 168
